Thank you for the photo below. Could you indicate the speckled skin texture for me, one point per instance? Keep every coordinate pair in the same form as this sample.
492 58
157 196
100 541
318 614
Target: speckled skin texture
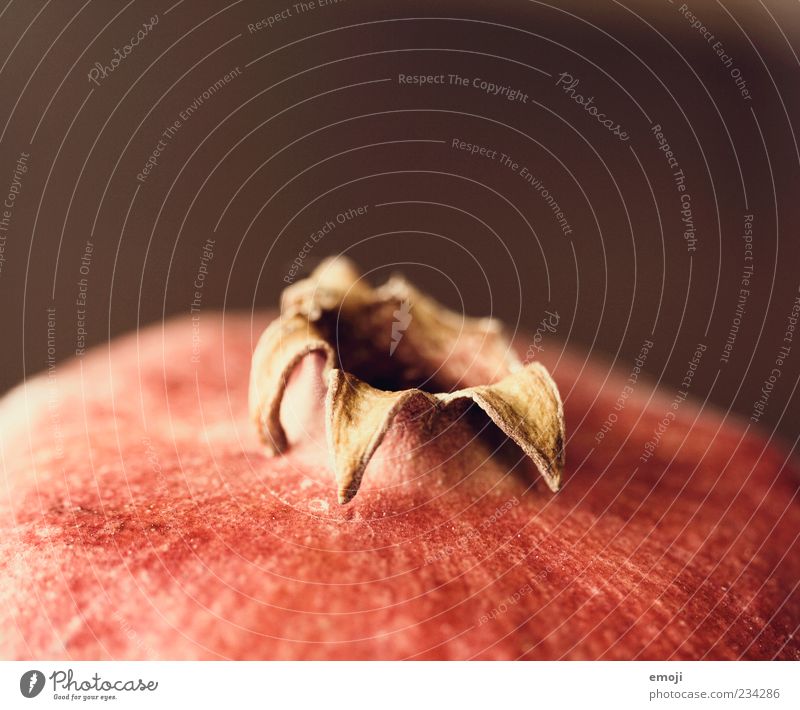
142 520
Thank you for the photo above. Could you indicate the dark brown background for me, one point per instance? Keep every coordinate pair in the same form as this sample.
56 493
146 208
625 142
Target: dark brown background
291 143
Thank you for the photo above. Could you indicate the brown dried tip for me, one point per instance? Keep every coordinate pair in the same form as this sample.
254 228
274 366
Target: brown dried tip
386 346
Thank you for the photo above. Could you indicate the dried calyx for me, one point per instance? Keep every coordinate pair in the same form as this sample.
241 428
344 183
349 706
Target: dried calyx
385 347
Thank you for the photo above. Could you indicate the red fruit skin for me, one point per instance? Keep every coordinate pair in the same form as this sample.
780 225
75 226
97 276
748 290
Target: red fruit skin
141 519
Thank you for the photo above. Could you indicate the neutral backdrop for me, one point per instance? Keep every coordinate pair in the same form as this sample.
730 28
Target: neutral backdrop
316 122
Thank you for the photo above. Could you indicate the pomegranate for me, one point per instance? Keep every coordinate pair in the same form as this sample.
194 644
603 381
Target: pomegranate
142 519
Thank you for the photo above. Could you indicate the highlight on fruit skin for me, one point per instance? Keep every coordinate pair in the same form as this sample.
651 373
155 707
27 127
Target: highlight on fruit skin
385 348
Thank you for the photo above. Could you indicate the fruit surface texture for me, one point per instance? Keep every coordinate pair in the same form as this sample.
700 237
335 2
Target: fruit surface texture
142 519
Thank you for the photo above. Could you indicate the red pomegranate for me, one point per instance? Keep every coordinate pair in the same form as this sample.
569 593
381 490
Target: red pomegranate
142 519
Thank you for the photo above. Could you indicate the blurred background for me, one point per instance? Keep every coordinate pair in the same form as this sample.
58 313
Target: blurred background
629 166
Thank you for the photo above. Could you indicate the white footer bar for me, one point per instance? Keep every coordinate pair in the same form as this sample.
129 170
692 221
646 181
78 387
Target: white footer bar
400 686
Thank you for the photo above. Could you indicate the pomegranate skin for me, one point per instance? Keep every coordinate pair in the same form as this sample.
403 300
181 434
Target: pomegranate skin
141 519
